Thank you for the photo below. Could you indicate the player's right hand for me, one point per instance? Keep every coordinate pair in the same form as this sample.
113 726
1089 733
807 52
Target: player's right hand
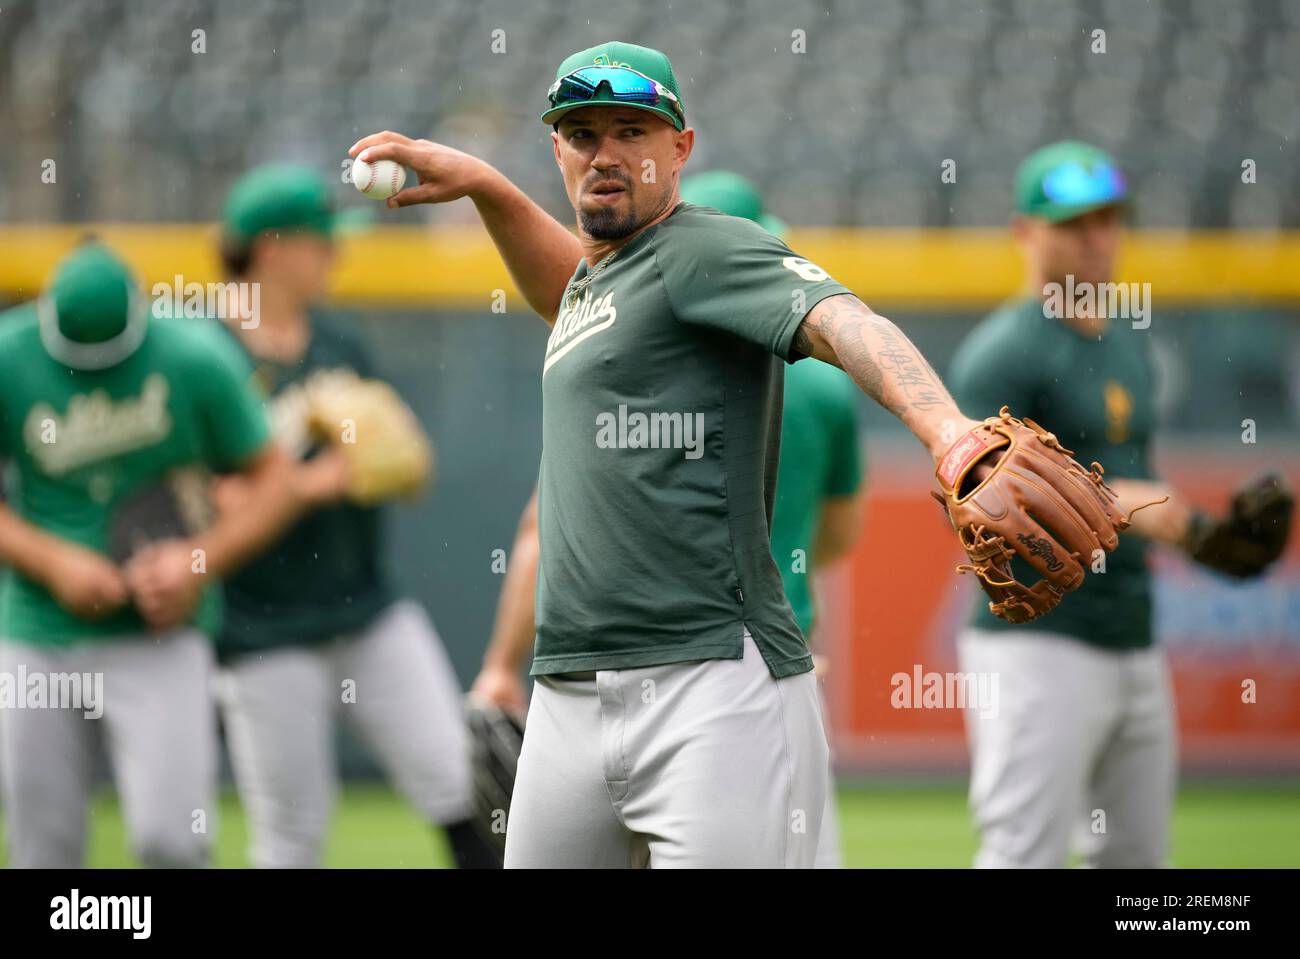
444 174
501 687
87 584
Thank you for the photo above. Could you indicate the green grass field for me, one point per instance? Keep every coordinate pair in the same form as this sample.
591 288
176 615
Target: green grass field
893 826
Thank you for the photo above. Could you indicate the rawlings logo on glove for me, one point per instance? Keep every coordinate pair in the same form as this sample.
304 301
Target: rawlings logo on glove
1010 489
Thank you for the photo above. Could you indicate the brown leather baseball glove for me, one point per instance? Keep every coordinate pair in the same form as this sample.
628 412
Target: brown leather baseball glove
1011 489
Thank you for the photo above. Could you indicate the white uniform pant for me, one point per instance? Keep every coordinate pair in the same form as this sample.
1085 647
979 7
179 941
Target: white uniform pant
700 764
1079 752
392 681
159 729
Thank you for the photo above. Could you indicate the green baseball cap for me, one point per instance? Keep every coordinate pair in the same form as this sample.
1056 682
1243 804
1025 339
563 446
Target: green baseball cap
651 64
92 314
286 198
732 194
1068 179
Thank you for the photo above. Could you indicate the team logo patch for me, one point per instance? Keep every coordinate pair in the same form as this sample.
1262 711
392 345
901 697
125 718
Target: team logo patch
1119 411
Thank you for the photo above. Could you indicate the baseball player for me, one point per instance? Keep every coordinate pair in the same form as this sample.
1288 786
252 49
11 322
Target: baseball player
817 510
675 718
314 629
1083 730
98 401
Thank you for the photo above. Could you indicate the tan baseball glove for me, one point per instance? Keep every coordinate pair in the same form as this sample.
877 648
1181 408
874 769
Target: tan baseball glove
1010 489
387 450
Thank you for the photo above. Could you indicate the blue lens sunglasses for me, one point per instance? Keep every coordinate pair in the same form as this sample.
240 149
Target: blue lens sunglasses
1076 184
625 85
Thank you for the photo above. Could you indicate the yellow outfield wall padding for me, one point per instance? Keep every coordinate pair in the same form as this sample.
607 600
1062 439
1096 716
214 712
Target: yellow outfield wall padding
457 266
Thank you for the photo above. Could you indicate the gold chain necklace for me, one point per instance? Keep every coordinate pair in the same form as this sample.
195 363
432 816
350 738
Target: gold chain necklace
579 285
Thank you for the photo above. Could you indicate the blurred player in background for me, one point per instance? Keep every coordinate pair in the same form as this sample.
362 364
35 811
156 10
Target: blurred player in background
314 628
98 402
815 520
1081 745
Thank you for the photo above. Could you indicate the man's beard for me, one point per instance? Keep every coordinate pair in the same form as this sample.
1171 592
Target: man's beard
608 224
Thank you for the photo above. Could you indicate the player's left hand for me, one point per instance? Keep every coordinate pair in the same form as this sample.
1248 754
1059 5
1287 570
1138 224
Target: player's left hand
163 582
952 428
1010 489
501 687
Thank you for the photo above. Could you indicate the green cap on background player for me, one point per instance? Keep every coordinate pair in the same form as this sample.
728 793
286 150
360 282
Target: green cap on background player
1068 179
92 314
617 73
284 198
732 194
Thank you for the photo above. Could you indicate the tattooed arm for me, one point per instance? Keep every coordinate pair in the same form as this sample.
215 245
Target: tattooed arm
843 331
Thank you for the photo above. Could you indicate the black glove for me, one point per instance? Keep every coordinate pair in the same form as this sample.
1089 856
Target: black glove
496 737
1251 536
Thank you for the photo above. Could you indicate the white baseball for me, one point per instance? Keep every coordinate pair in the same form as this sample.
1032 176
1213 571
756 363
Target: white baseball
378 180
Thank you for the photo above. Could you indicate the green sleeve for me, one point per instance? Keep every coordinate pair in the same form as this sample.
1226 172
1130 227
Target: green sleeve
985 375
10 353
232 412
845 473
733 276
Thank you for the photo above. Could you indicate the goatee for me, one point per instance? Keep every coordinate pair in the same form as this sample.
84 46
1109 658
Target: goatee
608 224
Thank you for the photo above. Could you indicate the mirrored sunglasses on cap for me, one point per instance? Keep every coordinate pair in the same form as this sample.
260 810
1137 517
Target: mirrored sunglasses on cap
625 85
1074 184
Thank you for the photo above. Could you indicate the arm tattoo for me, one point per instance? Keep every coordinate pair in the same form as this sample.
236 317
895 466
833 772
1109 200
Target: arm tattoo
876 354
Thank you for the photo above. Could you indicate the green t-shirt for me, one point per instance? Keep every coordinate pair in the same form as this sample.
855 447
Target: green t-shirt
819 460
1096 395
325 575
81 441
661 404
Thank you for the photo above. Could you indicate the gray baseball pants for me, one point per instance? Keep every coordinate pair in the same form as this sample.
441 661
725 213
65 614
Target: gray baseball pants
1079 754
391 681
159 728
699 764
